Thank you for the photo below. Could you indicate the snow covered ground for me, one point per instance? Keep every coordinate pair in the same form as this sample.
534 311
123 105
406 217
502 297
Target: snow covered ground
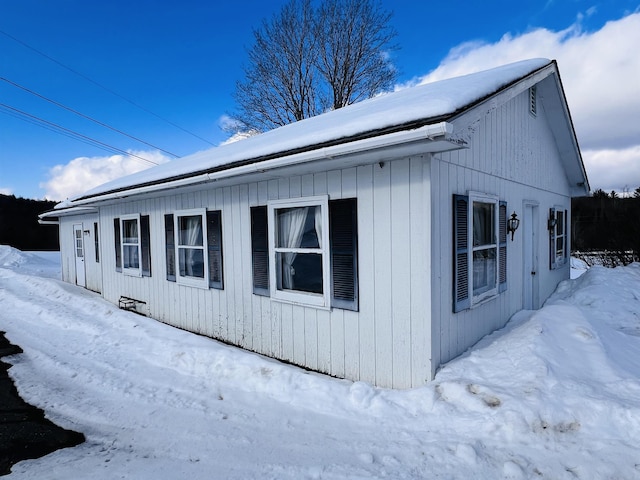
554 395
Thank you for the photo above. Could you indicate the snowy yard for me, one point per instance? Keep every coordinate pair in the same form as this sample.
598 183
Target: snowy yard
554 395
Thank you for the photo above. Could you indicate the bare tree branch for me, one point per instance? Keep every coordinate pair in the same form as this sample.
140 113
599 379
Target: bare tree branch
305 61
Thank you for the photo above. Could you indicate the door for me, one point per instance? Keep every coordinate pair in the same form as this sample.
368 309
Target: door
530 257
79 247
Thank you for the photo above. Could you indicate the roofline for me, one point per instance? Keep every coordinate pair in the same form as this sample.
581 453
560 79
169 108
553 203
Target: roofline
406 133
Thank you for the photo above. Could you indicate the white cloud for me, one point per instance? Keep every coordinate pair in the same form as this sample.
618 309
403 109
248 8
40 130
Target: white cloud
613 169
6 191
84 173
600 72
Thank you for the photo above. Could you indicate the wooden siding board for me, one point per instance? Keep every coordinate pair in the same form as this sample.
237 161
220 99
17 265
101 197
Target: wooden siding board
382 274
366 321
402 244
419 223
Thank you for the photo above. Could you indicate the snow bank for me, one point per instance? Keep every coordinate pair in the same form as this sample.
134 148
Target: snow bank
555 394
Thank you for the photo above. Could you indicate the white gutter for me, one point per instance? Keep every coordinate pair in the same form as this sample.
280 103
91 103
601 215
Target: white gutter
427 132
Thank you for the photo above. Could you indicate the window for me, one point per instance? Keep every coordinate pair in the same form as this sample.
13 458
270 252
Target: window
190 249
558 245
305 251
299 244
480 252
189 260
133 245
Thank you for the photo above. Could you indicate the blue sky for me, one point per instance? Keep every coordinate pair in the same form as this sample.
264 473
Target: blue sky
180 61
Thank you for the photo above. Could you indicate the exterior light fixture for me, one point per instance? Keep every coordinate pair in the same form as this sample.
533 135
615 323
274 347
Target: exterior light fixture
512 224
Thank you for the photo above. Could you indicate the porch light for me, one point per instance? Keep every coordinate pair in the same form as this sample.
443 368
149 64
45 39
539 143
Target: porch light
512 224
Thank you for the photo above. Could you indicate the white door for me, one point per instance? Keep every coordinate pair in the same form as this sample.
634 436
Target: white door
79 247
530 257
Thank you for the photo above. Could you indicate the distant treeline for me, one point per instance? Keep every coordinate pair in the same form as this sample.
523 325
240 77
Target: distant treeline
606 222
19 225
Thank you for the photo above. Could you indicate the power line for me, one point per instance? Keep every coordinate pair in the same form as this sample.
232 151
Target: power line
67 132
85 116
112 92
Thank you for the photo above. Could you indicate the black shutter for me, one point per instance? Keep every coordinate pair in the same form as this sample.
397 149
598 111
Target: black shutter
502 248
214 245
170 247
145 245
461 297
343 233
116 231
566 237
260 250
552 238
96 242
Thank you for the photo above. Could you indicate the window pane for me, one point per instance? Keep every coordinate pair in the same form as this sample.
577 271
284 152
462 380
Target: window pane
301 272
297 227
559 222
560 246
190 230
130 259
483 224
130 231
484 270
191 262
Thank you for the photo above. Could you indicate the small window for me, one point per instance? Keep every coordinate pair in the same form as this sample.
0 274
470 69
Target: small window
558 247
130 242
480 252
190 233
299 244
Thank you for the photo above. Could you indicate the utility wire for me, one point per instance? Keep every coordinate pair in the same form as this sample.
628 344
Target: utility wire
85 116
68 132
103 87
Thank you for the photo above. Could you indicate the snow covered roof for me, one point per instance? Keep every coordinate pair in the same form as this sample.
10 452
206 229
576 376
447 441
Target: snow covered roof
405 109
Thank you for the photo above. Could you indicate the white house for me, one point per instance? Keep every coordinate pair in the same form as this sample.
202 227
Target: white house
370 243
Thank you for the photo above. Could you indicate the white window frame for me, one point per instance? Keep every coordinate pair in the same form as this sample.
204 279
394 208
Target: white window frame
292 296
135 272
476 197
199 282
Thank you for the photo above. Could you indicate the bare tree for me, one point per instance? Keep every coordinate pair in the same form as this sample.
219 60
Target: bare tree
305 61
354 39
280 85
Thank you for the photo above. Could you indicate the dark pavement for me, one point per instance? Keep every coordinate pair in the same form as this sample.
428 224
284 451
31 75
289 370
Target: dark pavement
24 431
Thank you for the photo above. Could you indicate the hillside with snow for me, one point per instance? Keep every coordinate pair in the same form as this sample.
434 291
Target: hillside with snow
553 395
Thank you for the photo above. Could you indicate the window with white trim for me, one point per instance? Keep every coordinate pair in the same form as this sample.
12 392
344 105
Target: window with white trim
480 252
299 250
558 245
193 248
130 244
299 279
191 253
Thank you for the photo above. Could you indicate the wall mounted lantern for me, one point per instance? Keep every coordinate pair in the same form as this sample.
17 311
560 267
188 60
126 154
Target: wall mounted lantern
512 224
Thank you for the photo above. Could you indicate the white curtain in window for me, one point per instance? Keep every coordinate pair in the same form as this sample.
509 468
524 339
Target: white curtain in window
193 237
318 220
291 229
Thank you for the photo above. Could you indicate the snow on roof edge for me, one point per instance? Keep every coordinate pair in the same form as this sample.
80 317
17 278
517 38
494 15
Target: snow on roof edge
418 103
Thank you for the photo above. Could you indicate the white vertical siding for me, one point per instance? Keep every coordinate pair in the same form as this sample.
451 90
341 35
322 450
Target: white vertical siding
511 154
385 342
